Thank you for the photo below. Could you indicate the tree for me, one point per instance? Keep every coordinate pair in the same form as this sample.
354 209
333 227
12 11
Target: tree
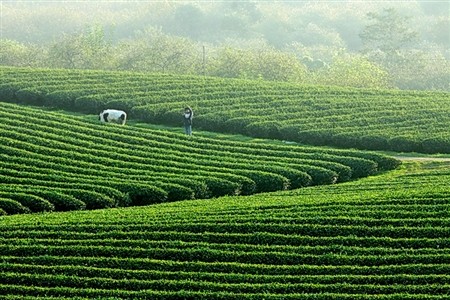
67 52
353 71
13 53
388 32
279 66
257 63
155 51
231 63
387 42
85 50
188 21
422 70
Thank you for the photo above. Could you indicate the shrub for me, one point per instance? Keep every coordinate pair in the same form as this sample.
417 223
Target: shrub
262 129
384 163
147 113
301 179
200 188
92 104
221 187
61 99
8 92
119 104
344 171
436 145
31 96
373 142
404 144
211 122
321 175
267 182
361 167
173 117
176 192
141 194
12 207
343 140
297 178
92 199
34 203
61 201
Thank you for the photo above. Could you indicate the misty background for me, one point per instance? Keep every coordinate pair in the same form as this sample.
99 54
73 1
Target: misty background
375 44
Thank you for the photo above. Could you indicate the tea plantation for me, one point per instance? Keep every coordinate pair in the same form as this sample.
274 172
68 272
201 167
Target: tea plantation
55 161
102 211
382 237
357 118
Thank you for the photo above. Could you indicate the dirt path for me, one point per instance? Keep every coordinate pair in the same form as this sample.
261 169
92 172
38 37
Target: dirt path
422 158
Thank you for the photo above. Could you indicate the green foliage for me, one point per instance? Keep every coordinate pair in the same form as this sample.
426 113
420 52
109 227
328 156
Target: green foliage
86 50
266 40
263 63
353 72
33 202
31 96
12 207
384 237
92 199
388 32
61 200
153 51
374 119
141 194
13 53
389 42
55 161
222 187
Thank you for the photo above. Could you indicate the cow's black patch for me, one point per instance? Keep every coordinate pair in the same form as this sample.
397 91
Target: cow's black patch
105 117
122 117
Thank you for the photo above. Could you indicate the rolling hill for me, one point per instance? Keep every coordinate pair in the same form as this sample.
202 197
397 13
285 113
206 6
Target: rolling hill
230 219
381 237
349 118
57 161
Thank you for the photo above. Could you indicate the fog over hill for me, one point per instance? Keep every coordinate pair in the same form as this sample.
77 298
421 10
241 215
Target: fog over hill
317 33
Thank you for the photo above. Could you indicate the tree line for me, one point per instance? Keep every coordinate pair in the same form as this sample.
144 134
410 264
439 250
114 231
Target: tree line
386 52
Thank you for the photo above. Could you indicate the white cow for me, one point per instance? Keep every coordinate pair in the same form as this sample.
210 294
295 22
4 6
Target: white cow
113 115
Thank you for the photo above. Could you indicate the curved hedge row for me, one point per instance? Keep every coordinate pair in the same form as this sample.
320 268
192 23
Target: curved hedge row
57 161
357 240
343 117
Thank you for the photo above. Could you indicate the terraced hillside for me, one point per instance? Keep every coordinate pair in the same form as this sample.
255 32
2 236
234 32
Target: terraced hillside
381 237
55 161
366 119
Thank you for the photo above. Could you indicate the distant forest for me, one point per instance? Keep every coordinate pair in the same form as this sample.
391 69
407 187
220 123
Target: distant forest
373 44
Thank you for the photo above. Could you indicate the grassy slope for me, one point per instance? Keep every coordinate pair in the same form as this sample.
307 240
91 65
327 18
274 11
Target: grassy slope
382 237
134 165
358 118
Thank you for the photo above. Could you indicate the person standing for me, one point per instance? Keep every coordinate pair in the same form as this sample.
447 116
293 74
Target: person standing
187 116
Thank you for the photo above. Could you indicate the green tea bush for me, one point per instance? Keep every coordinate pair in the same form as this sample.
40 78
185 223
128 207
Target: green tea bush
61 200
56 156
344 117
31 96
436 145
144 195
12 207
92 199
34 203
